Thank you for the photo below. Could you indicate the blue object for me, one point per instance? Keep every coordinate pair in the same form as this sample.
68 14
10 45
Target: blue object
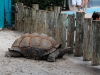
93 9
94 3
1 14
7 5
89 10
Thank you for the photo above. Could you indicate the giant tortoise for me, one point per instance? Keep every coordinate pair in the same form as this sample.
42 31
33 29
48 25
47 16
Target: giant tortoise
36 46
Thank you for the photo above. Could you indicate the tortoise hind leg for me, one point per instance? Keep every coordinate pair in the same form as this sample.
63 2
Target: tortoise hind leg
13 54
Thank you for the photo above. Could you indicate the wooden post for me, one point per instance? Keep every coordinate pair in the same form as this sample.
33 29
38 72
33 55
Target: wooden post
87 53
19 19
79 33
49 23
25 20
35 6
28 20
90 43
16 16
36 21
20 9
70 31
33 19
43 22
22 18
57 11
96 43
29 17
62 29
40 21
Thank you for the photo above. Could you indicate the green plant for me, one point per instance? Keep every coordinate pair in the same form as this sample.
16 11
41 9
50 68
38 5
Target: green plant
42 3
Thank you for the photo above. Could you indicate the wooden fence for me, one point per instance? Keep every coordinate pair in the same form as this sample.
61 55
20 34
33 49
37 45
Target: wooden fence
87 43
53 23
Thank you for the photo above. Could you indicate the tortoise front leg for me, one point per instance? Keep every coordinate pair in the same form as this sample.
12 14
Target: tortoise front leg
58 53
52 57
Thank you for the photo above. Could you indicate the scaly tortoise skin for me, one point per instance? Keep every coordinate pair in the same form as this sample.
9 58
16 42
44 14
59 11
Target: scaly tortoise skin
35 46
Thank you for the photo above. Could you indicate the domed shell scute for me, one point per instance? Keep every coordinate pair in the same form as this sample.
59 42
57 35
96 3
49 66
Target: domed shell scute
35 42
25 42
46 44
17 42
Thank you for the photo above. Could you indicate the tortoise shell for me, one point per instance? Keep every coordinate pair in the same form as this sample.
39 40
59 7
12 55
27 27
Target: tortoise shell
37 41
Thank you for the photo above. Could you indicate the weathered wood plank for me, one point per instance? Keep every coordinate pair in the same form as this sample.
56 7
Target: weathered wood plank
96 43
87 53
43 22
79 33
20 16
16 16
25 20
62 29
33 19
35 6
57 11
40 26
49 23
70 31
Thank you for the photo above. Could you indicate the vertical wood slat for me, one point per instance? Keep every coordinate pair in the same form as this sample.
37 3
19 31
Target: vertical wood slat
49 23
43 21
57 11
16 16
70 31
35 7
19 13
90 41
96 43
20 16
37 20
40 22
79 33
62 29
25 20
29 19
87 52
33 20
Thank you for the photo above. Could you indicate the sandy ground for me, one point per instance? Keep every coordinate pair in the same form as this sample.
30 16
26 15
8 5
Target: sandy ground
68 65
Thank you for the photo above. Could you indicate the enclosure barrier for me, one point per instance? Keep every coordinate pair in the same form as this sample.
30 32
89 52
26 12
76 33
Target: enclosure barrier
52 23
87 37
84 40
